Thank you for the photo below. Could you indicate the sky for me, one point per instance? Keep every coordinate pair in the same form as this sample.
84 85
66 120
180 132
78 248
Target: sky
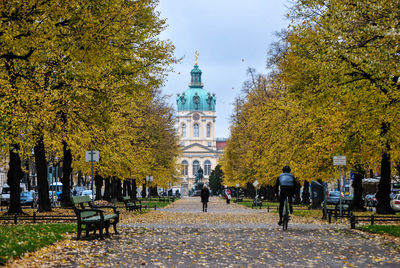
230 37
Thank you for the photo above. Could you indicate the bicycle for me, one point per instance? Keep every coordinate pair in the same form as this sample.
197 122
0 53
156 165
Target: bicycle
285 213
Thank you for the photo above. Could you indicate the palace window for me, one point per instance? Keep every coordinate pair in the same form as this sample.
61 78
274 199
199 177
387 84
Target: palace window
208 131
183 130
185 165
196 130
207 168
196 166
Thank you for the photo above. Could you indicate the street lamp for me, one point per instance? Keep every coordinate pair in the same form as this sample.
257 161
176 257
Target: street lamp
237 192
149 179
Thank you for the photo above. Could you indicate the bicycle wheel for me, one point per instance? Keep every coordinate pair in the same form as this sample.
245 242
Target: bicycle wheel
285 215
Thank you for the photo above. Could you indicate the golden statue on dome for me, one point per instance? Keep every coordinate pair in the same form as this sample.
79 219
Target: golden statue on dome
197 57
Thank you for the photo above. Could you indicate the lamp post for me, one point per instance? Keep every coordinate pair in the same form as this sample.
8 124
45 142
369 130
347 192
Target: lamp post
237 192
149 179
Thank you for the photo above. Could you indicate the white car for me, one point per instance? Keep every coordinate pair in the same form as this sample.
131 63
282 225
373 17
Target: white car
87 192
395 202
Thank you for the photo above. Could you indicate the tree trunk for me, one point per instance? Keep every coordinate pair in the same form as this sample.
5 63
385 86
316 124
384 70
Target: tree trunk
153 191
128 188
133 194
297 199
305 197
124 188
80 180
98 180
41 173
143 193
14 177
357 203
114 190
250 191
66 177
383 194
107 190
119 189
28 180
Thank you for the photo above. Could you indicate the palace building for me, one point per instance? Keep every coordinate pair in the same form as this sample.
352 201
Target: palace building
196 129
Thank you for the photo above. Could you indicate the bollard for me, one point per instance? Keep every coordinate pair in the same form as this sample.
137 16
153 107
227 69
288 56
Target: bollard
155 207
330 216
34 217
352 221
267 208
372 219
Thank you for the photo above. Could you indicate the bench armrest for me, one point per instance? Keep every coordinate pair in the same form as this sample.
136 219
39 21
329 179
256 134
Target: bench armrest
107 206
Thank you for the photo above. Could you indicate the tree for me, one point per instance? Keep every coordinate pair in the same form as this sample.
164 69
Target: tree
355 58
60 60
215 180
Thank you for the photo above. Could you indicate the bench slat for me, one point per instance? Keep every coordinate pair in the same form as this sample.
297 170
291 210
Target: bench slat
80 199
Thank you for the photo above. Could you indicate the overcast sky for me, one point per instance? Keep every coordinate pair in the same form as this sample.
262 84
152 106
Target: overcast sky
230 36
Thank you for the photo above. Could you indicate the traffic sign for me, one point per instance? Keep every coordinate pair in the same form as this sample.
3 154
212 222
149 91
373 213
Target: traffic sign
255 183
339 160
92 156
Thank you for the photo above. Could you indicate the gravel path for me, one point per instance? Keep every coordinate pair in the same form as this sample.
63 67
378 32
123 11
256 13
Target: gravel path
226 236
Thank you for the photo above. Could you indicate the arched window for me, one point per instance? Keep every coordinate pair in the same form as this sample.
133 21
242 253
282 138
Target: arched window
207 168
196 165
208 130
185 165
196 130
183 130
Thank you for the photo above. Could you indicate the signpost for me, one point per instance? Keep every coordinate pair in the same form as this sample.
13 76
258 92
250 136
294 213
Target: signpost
255 184
339 160
149 179
92 156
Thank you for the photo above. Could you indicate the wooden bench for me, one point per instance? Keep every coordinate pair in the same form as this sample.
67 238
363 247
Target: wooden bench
372 219
93 218
239 199
132 204
344 206
257 203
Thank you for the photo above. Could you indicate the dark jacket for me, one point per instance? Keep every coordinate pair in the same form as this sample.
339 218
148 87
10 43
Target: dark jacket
205 194
285 180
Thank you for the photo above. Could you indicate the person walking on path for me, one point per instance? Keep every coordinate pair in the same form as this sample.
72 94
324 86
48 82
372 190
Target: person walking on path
287 183
228 195
205 194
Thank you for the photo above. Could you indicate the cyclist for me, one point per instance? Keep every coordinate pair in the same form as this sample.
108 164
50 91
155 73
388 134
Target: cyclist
287 183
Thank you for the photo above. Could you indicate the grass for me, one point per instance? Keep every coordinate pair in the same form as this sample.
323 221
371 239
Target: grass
18 239
249 203
155 201
393 230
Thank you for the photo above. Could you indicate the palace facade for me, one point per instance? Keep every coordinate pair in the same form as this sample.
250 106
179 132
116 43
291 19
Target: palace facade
196 129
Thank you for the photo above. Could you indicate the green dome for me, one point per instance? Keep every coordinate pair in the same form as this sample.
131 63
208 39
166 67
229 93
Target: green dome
196 98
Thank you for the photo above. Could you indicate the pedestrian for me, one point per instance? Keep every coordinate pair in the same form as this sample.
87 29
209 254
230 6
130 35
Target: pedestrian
205 194
228 195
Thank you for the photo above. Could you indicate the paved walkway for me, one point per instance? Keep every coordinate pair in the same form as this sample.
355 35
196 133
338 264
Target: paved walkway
226 236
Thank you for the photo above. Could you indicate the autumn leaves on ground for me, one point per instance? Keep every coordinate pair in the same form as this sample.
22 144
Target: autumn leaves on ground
181 235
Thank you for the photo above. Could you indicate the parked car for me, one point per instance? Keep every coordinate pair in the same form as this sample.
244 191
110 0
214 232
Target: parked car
395 203
5 194
27 198
333 198
78 190
370 200
88 192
